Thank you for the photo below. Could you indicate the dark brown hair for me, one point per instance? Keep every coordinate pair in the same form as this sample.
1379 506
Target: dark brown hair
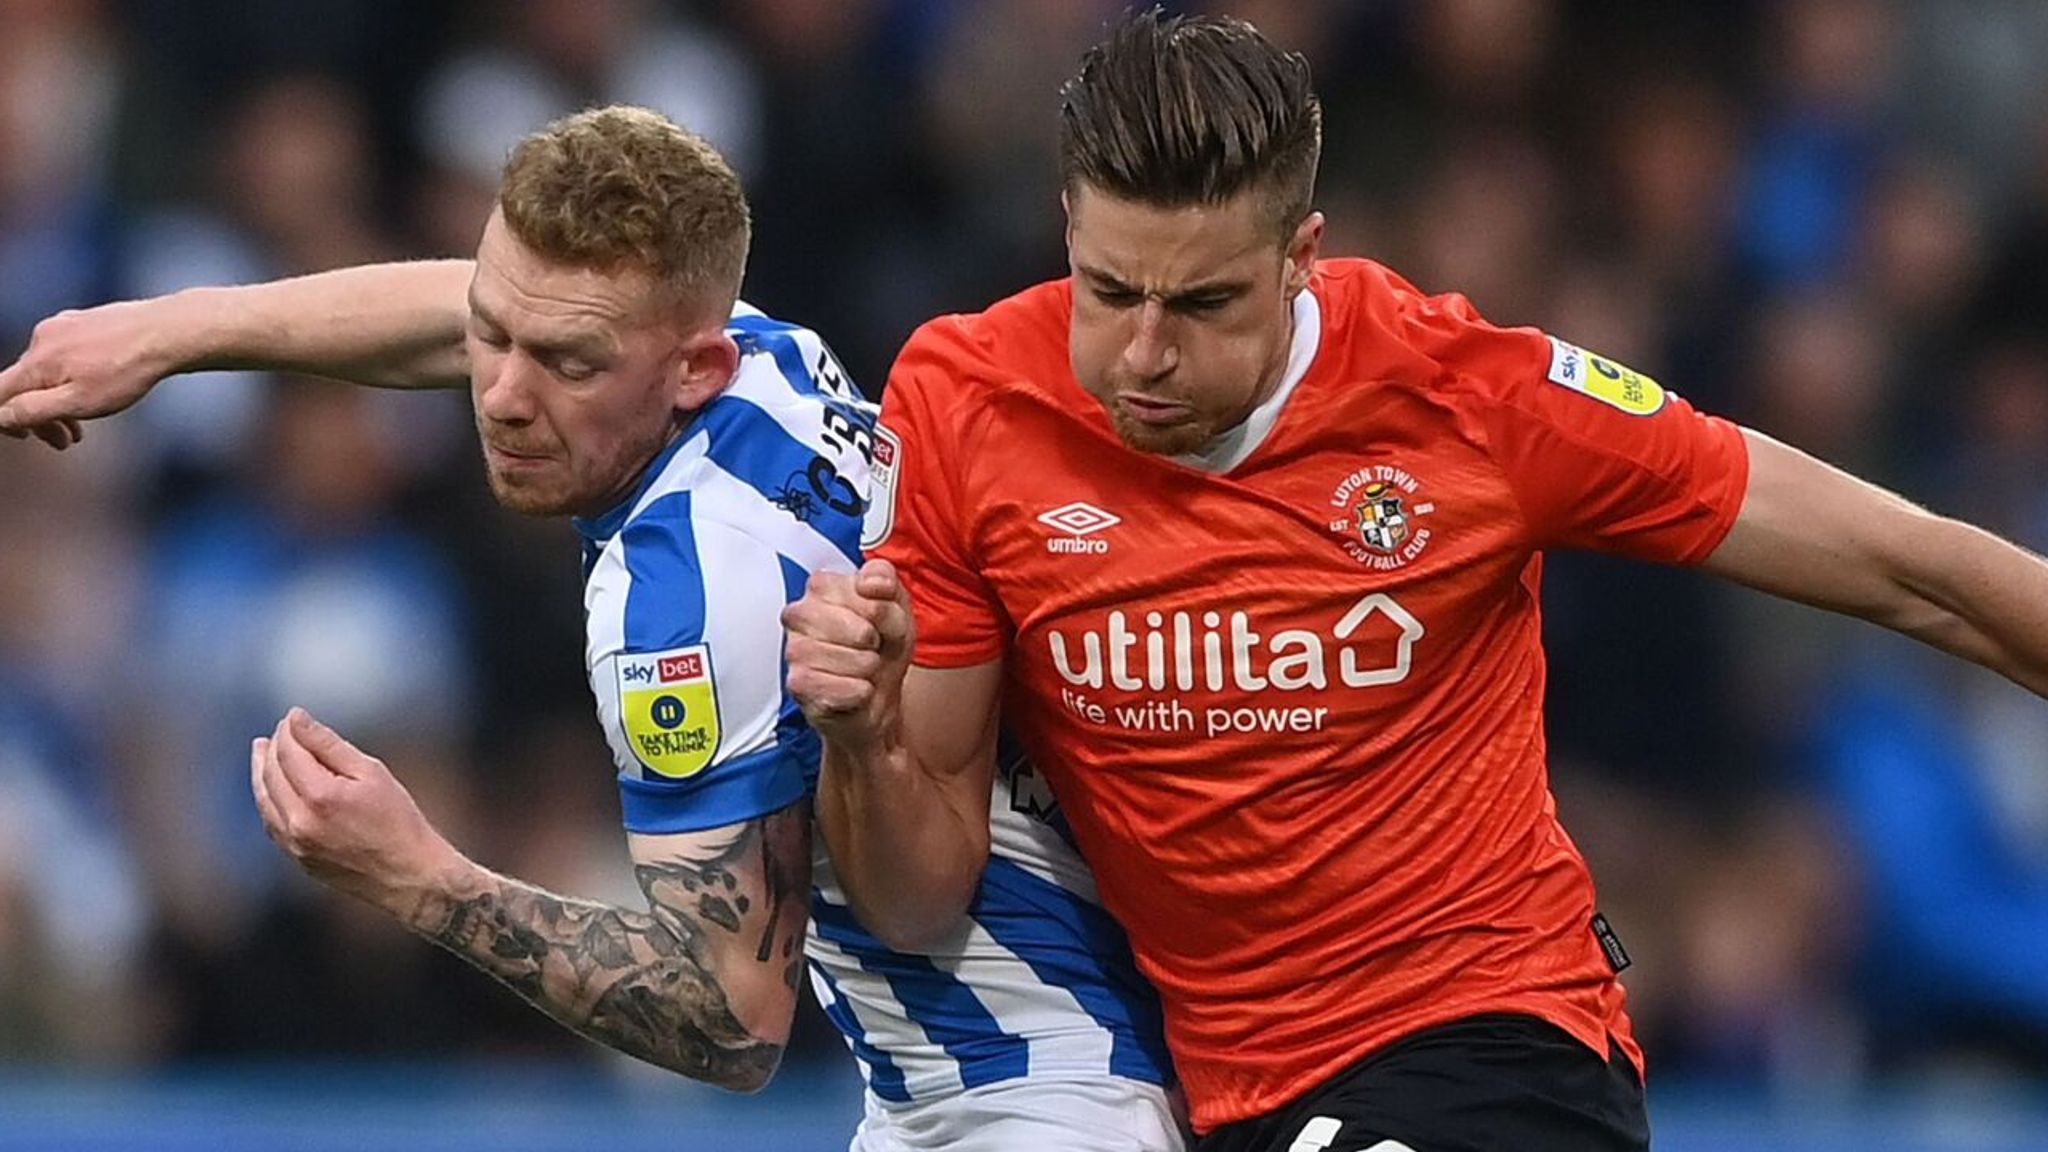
619 187
1182 110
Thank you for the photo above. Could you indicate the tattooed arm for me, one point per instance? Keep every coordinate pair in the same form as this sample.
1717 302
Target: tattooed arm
703 981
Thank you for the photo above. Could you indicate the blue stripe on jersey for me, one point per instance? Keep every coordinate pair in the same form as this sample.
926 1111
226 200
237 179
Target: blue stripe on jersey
1072 944
936 1001
773 337
736 790
665 600
665 609
792 731
749 445
884 1077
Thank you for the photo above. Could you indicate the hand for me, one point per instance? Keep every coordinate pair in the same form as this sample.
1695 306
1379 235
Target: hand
345 819
850 639
80 365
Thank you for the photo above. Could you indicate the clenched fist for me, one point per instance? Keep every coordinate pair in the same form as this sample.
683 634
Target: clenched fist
850 639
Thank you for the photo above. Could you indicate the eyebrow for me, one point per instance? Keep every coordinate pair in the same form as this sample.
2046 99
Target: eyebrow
591 343
1206 288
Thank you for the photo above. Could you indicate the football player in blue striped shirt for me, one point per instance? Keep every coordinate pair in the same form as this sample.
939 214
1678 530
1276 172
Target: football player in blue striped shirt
713 459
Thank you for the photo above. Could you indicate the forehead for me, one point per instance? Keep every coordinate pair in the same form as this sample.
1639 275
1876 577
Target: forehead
1154 248
518 286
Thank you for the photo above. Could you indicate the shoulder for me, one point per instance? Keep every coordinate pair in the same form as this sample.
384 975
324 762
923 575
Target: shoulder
1020 336
1393 330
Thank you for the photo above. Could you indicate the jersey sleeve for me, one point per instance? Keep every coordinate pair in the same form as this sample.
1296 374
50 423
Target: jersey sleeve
920 518
1598 455
688 677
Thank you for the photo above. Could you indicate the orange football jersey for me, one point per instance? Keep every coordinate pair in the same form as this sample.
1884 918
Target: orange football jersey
1293 711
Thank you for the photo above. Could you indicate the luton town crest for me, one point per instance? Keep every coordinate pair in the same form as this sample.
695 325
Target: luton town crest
1382 522
1381 516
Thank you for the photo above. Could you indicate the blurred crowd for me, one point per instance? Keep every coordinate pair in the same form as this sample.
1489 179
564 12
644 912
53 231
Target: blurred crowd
1827 850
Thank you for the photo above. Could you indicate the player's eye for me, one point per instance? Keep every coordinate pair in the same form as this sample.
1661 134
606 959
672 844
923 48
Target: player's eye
1201 305
1118 297
575 370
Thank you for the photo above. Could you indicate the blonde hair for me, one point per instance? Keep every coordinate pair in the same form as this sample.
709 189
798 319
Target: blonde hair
624 187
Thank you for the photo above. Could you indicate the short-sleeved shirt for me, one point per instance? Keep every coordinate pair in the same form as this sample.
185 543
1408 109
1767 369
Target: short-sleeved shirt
1292 705
685 583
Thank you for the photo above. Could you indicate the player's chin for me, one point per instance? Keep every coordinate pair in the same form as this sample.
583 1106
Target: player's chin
528 495
1174 439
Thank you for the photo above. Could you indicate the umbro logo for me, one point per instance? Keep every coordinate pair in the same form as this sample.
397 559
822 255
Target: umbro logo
1079 521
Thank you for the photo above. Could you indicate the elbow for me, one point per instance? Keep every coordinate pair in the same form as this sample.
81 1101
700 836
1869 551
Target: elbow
911 935
753 1077
922 925
744 1069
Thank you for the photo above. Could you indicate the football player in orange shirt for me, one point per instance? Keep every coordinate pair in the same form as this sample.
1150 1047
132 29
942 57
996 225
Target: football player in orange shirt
1247 545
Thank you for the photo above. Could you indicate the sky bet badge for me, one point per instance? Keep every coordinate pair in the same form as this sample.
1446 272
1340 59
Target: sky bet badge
669 709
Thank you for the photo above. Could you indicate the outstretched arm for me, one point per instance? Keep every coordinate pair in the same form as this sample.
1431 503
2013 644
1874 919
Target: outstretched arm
702 982
389 325
1816 534
909 760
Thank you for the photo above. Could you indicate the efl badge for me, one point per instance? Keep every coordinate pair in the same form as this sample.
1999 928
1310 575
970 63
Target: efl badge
668 706
882 471
1604 380
1380 511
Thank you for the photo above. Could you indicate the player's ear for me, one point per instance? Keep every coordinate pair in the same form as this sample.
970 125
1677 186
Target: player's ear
1302 249
703 366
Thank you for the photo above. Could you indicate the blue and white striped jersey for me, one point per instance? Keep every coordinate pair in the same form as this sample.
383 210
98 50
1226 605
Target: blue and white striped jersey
685 582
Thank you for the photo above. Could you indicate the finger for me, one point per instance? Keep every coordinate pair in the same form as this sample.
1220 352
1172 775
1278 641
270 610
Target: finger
41 406
327 747
53 433
832 624
832 588
826 696
14 379
893 630
286 809
301 774
834 659
273 821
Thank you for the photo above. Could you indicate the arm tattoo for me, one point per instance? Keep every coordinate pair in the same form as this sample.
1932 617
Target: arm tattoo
645 982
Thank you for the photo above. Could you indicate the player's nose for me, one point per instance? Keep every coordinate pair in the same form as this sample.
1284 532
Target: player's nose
1151 351
507 396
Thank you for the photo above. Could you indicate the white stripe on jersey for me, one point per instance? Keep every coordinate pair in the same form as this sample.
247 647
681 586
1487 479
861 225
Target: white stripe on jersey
1062 1038
928 1072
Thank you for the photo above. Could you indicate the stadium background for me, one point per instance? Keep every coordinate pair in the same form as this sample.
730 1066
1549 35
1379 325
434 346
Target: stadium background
1827 851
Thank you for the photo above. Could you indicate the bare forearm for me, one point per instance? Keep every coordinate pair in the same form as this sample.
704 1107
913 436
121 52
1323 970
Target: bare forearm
633 981
1979 597
908 852
387 325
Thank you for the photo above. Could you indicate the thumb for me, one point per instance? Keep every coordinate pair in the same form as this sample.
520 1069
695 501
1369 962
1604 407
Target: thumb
877 580
41 406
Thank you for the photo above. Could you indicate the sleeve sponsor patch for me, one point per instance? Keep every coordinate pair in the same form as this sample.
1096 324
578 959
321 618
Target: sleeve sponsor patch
1604 380
668 706
882 473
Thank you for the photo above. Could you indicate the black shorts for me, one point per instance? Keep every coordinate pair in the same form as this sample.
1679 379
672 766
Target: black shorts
1496 1083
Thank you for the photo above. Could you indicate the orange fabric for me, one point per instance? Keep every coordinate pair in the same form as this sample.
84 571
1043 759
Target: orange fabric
1294 719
